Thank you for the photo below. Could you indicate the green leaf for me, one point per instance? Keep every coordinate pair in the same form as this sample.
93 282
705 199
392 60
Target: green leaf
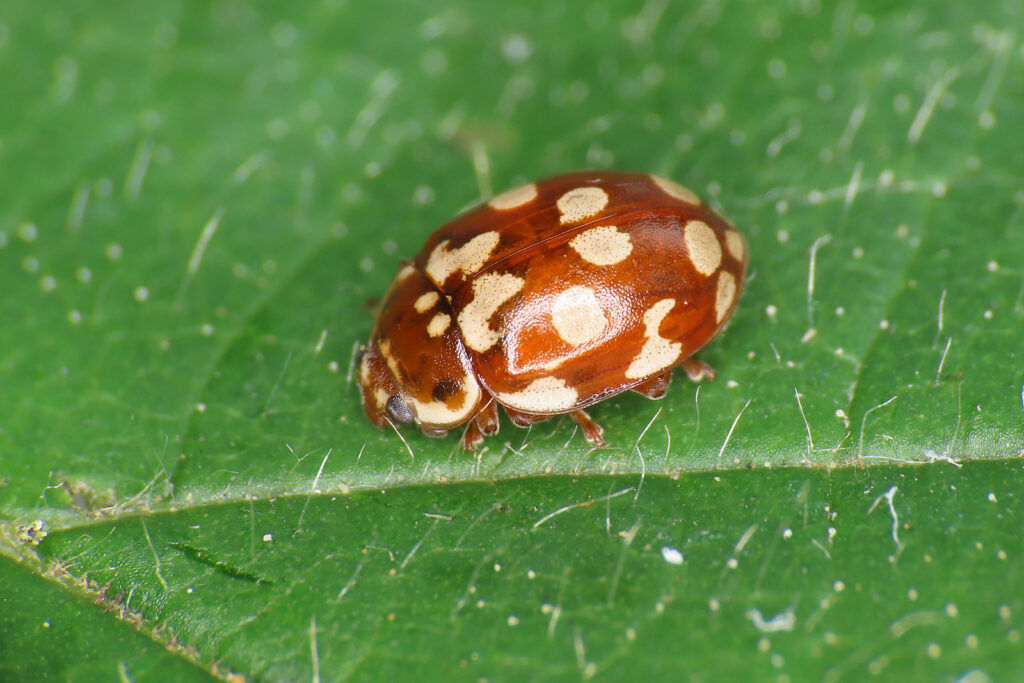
197 205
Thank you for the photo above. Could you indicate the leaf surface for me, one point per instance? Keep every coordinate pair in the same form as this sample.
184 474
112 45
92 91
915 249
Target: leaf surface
199 204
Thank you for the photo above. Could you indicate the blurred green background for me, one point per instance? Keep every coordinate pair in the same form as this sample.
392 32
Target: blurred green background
199 202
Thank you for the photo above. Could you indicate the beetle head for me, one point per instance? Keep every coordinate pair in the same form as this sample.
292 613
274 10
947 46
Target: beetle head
382 400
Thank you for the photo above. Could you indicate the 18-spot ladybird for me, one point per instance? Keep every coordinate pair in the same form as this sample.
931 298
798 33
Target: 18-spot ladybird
549 298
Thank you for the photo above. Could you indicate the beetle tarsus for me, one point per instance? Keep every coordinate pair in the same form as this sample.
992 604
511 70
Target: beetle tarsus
655 387
487 419
472 437
697 370
520 419
593 432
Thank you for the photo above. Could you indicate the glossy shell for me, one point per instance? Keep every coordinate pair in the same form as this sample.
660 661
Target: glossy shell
549 298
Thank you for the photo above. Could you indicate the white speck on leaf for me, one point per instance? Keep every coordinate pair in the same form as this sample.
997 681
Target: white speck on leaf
783 621
672 555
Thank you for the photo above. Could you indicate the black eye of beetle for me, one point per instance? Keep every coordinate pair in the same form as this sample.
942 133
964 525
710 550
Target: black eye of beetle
399 411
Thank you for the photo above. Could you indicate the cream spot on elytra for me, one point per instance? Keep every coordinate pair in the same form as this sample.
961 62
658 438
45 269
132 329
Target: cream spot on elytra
674 189
544 395
725 295
657 353
580 203
440 414
490 291
577 316
433 413
438 324
703 247
426 301
468 258
602 246
513 198
734 243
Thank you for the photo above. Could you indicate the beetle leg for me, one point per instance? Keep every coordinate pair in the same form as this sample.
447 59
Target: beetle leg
484 423
524 419
591 430
655 387
487 419
472 437
697 370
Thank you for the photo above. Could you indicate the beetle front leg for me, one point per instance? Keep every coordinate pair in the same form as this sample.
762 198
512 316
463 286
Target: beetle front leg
484 423
471 438
487 419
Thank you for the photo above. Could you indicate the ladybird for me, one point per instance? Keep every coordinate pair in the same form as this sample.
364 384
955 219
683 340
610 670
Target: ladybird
549 298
